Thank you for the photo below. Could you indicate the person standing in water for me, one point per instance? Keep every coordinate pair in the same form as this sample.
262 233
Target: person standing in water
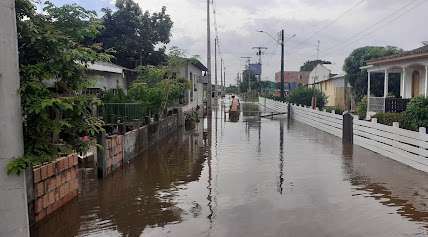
234 109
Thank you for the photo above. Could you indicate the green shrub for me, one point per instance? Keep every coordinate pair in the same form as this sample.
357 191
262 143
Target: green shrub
416 114
303 96
390 118
337 110
362 108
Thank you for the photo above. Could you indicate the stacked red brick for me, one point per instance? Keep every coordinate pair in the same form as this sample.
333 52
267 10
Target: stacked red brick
114 153
55 184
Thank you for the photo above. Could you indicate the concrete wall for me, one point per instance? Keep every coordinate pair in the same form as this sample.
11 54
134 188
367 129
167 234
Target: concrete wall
13 195
54 185
120 149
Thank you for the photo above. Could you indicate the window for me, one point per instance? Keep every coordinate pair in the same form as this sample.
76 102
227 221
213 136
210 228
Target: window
191 90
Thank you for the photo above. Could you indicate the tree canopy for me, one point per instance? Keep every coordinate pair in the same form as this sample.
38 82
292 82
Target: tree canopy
308 66
357 77
134 35
53 47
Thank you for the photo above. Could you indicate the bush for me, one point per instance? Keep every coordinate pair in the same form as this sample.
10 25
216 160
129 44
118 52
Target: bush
337 110
303 96
416 114
390 118
362 108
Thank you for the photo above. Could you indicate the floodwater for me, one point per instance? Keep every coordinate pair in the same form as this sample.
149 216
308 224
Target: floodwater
256 177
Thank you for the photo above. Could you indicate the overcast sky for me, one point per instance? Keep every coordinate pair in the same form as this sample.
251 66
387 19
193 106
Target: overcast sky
339 25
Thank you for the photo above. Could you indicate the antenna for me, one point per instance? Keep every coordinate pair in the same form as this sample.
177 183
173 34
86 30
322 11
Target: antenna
318 50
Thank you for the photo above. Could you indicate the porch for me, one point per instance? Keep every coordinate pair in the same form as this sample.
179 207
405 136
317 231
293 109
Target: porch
391 86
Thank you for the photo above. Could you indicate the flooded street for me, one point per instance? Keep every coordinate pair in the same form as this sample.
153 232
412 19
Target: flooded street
256 177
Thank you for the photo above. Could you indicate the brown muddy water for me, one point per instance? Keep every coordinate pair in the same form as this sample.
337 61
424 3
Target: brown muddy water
256 177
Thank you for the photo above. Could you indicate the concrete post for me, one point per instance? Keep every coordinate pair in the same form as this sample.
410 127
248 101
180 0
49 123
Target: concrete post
101 155
348 129
13 195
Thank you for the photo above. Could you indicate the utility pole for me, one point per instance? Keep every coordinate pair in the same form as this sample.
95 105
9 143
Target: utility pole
260 53
221 73
282 65
13 191
215 66
210 87
224 77
247 67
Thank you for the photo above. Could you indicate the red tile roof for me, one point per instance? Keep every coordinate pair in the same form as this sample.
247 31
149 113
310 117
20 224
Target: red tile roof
406 54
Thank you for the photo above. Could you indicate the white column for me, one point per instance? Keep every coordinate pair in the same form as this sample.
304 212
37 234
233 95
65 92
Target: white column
403 83
368 91
385 87
426 80
13 194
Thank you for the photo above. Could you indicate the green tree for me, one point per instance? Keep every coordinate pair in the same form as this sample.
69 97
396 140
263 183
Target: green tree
133 34
308 66
357 77
53 47
303 96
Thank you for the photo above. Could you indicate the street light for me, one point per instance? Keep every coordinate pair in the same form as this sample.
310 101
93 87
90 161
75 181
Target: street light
282 43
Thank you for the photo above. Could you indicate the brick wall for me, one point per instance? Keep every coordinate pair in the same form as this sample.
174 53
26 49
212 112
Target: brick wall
114 153
55 184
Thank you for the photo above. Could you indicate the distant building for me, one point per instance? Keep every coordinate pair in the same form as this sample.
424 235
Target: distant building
292 80
194 71
106 76
324 78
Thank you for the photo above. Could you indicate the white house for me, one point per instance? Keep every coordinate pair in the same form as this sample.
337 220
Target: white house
194 71
413 69
321 72
106 76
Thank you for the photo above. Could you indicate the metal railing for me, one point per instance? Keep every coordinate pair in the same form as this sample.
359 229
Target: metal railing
124 112
388 105
396 105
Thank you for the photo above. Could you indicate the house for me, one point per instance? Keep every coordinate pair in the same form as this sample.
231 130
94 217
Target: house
331 84
194 71
412 70
292 80
106 76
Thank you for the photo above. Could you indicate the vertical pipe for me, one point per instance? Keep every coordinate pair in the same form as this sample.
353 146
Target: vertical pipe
13 192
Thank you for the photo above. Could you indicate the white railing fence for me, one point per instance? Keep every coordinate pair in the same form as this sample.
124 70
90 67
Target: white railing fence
405 146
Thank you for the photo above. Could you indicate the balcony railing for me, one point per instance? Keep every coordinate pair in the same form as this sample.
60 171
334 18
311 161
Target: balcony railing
388 105
396 105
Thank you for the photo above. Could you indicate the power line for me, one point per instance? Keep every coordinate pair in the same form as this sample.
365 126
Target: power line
382 22
343 14
372 28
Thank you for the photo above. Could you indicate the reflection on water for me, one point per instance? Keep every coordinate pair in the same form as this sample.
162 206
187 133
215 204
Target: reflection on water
257 177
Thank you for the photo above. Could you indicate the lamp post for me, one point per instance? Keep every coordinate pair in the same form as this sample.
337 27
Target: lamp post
281 42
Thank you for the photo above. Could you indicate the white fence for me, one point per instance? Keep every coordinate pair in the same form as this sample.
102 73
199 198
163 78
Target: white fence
328 122
405 146
402 145
273 105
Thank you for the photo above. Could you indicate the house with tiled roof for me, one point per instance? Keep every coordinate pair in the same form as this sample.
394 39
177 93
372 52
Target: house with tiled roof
412 68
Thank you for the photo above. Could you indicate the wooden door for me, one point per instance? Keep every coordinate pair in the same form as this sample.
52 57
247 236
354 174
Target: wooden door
416 83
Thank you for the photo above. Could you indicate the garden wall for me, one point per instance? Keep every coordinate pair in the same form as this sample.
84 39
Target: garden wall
120 149
54 185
